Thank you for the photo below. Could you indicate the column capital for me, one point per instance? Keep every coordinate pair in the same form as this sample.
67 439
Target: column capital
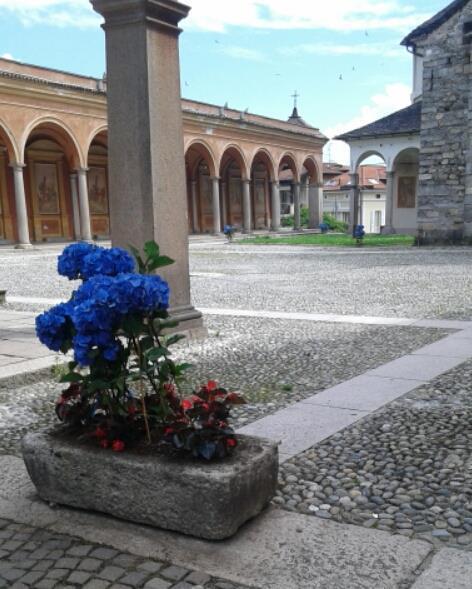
17 165
390 173
81 170
213 178
246 180
160 14
73 174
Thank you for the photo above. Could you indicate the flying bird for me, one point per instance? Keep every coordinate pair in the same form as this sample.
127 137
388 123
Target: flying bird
340 76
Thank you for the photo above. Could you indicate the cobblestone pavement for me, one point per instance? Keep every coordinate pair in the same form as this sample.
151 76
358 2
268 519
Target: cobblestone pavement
406 469
39 559
274 363
390 282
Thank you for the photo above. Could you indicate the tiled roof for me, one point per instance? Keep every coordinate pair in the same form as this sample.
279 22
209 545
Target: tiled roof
67 81
405 121
435 22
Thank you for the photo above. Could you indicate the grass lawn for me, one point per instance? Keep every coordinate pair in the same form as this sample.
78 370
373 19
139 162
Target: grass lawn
330 239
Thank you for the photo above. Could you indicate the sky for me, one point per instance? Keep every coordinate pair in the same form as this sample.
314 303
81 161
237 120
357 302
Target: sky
342 57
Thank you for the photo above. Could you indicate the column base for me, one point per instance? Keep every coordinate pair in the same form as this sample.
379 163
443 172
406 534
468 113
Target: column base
23 246
190 322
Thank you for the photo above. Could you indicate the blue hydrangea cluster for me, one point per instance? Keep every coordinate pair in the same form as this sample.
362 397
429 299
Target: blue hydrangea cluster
84 260
54 328
71 261
97 310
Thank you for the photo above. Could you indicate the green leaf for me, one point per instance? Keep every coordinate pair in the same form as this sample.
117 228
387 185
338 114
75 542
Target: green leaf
173 339
160 262
156 353
165 324
151 249
72 377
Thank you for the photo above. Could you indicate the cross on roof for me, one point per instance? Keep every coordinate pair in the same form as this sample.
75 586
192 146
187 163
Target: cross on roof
295 97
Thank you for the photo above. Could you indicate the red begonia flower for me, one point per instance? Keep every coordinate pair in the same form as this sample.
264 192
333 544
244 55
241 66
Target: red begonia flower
187 404
212 385
118 446
100 433
231 442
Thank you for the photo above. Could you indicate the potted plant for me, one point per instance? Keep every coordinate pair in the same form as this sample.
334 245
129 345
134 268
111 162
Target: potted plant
130 445
229 231
359 234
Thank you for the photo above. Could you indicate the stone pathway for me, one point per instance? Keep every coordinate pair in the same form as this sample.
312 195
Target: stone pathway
314 419
278 550
35 558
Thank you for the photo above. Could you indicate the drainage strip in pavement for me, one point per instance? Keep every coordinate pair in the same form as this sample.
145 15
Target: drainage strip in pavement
302 425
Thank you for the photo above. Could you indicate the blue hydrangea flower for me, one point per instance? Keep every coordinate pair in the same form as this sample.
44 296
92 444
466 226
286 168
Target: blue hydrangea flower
54 328
70 262
102 302
107 262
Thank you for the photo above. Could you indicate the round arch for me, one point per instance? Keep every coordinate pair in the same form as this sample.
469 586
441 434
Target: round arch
409 155
288 162
264 156
98 135
366 154
9 141
61 134
197 150
312 169
233 152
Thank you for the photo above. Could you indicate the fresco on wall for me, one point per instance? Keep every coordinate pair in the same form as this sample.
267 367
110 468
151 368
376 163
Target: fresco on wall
47 189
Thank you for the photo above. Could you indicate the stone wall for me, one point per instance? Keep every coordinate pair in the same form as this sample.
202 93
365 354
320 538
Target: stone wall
445 183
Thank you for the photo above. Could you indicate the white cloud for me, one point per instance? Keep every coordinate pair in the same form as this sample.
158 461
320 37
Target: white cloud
338 15
8 56
383 49
60 13
244 53
394 97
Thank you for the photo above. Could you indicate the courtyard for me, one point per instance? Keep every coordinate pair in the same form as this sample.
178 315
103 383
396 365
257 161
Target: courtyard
294 329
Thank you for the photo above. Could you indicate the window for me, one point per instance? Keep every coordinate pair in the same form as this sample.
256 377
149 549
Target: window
378 196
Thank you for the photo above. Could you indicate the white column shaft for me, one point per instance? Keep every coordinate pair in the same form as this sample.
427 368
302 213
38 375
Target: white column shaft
195 223
247 205
21 210
216 206
224 205
296 202
86 233
275 221
389 204
75 205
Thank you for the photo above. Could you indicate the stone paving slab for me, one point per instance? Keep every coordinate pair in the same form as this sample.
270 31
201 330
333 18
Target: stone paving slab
450 569
416 367
457 347
365 392
278 550
302 425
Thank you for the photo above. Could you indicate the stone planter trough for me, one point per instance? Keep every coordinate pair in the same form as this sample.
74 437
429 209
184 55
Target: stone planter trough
208 500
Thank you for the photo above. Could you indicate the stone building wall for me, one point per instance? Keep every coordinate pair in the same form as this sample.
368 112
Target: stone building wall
445 182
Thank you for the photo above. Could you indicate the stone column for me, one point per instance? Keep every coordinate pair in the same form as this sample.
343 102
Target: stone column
224 204
75 206
275 221
247 206
195 223
296 202
354 216
84 208
389 204
315 201
21 210
216 206
145 137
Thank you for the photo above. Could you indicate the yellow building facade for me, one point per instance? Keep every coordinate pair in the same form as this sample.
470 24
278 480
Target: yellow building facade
53 161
